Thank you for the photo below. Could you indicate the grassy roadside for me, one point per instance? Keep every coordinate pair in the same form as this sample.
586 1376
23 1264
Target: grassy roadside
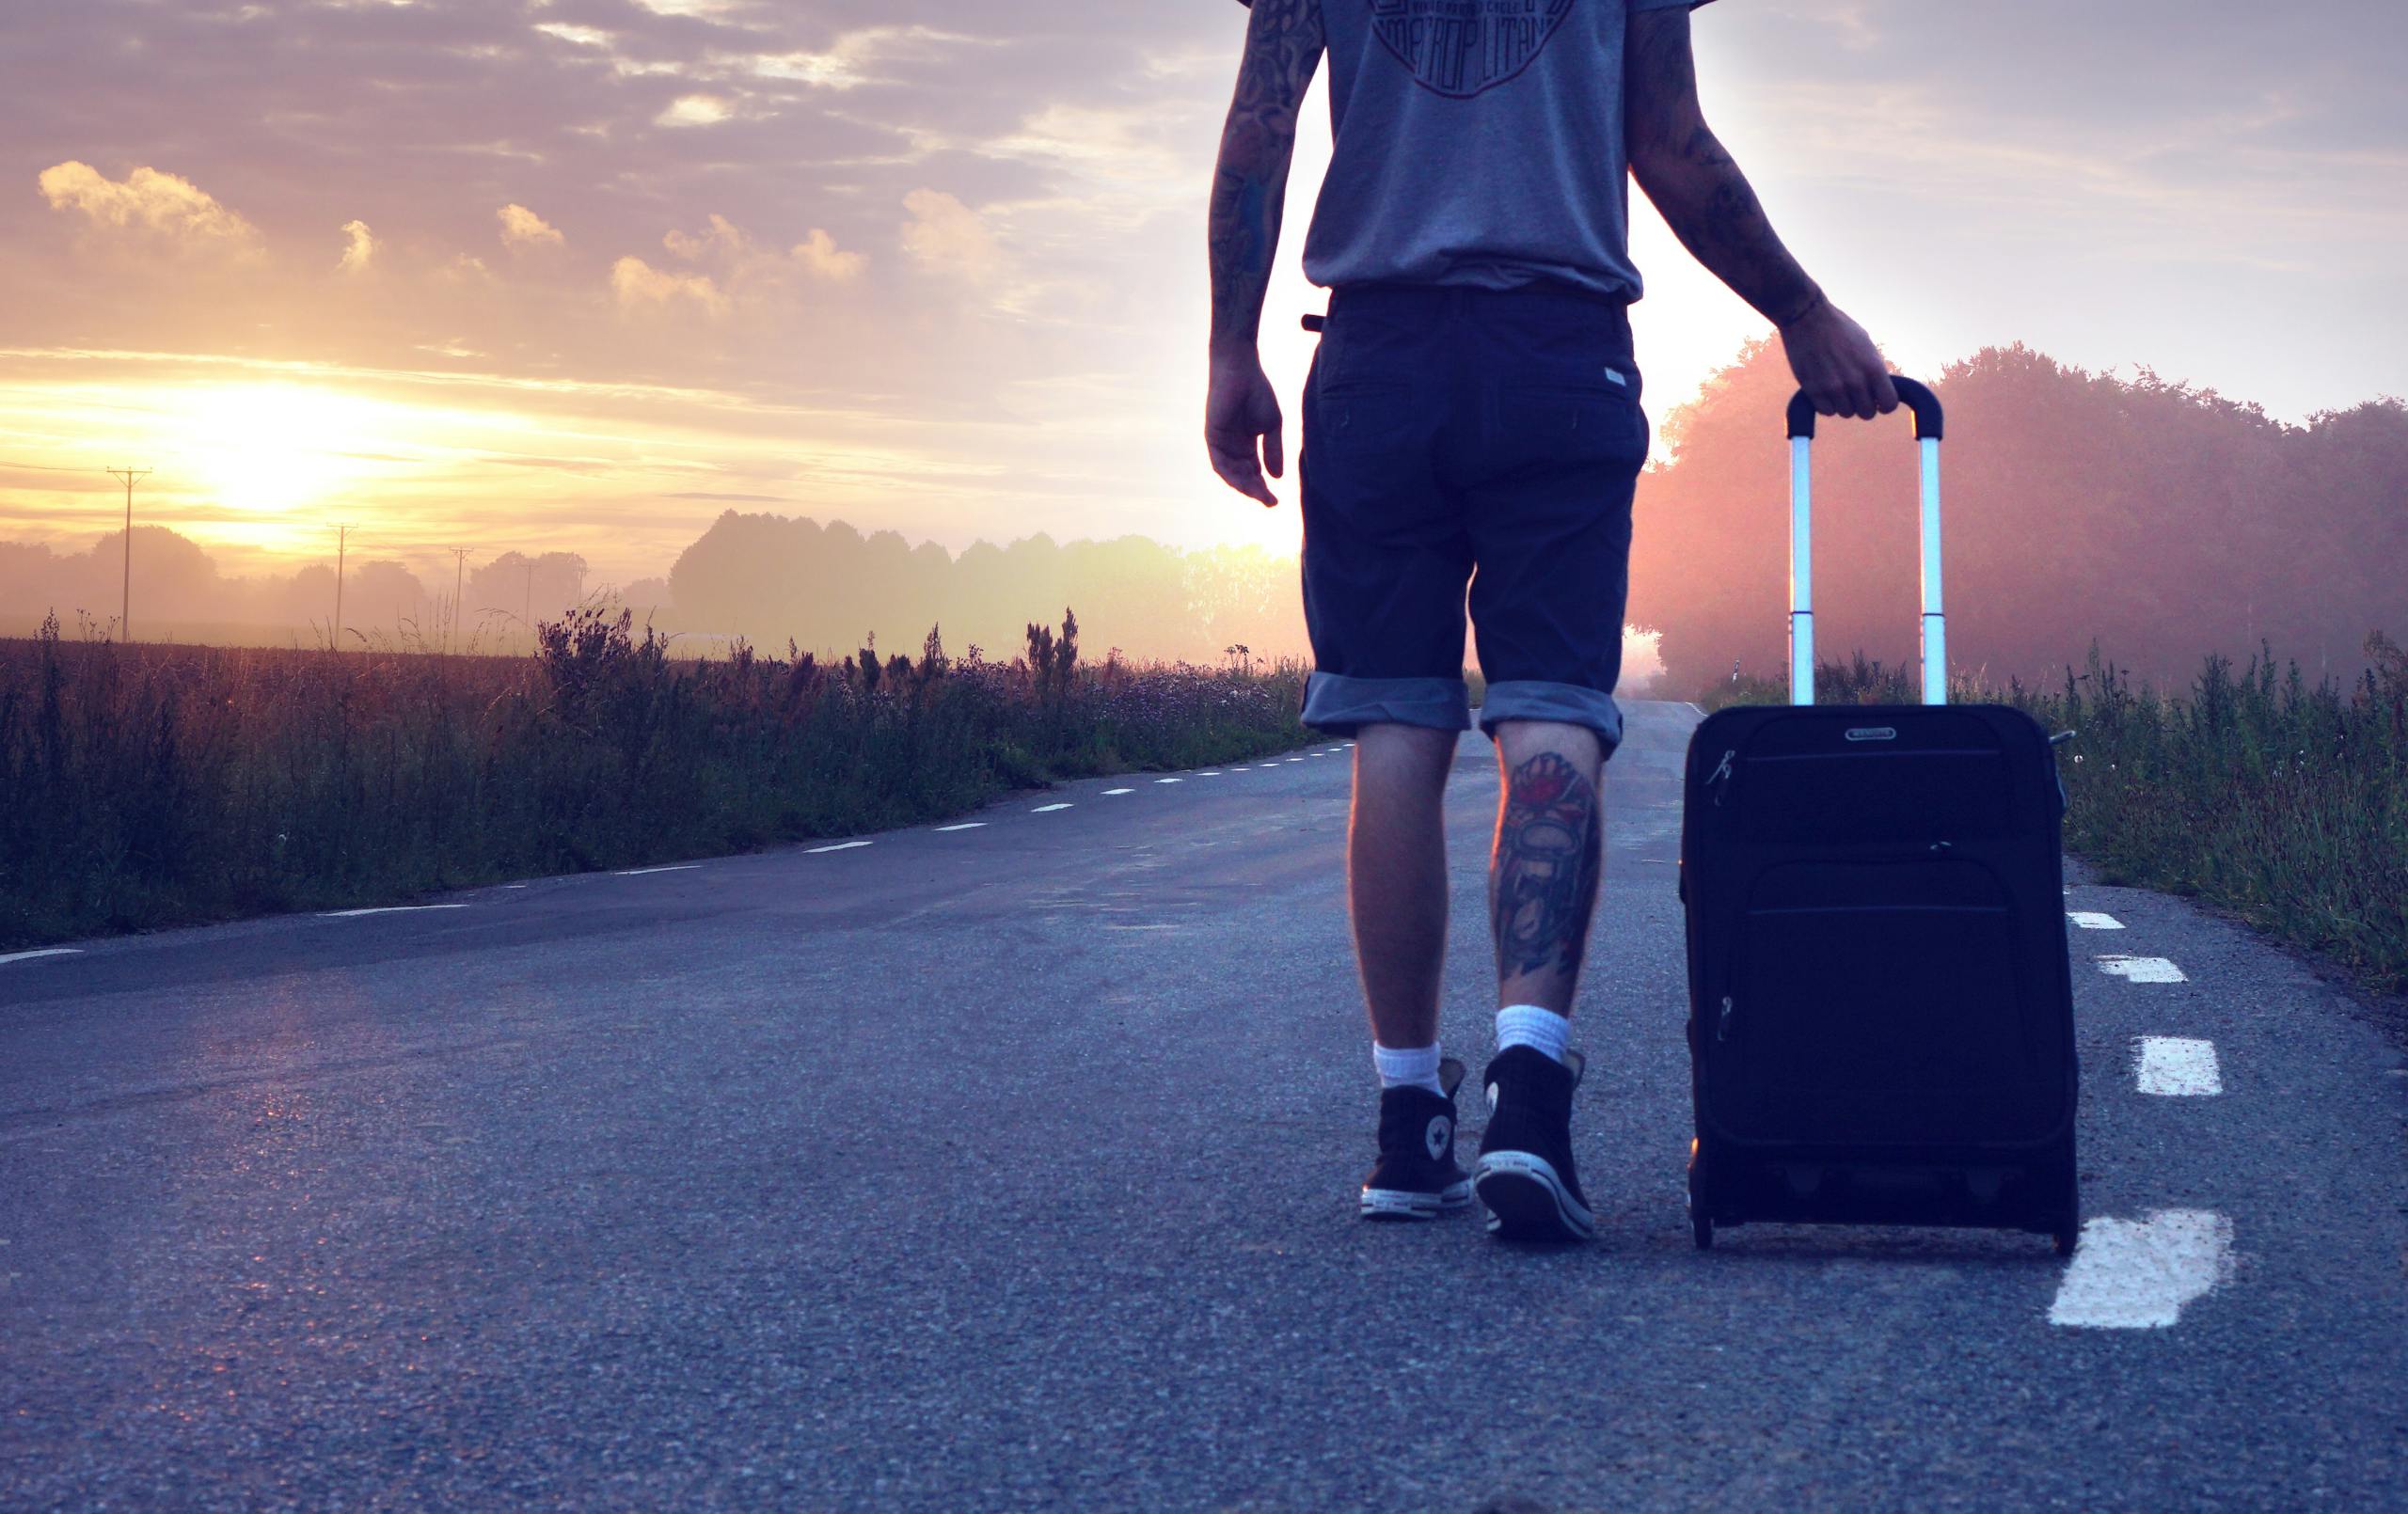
2283 802
158 785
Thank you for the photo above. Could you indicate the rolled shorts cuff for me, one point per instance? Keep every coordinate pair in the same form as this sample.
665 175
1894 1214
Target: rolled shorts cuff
1570 703
1343 705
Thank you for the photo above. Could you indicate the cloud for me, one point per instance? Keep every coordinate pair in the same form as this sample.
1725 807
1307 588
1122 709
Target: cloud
464 269
164 206
362 250
722 234
694 110
523 229
820 257
853 60
945 236
746 271
637 284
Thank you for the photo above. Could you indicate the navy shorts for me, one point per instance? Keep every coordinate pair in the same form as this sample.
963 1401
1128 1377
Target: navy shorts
1459 436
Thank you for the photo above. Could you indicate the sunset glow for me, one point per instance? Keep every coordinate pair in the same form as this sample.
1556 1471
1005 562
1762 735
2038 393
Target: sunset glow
936 276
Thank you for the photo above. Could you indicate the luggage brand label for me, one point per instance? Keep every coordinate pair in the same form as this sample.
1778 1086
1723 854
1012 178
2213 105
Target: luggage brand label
1872 732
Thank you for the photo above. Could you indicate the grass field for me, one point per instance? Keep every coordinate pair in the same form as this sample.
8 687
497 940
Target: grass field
155 785
2254 790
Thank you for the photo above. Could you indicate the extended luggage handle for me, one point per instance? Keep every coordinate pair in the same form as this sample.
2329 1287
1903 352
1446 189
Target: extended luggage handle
1928 421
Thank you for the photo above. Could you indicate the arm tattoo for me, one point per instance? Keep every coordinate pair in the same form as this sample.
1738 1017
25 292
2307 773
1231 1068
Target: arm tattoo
1542 880
1283 48
1684 170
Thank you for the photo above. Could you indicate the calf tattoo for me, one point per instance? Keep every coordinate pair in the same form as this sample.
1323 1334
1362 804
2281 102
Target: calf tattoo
1543 880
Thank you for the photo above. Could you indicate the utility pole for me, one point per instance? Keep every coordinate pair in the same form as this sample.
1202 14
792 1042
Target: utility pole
527 608
459 579
125 611
343 535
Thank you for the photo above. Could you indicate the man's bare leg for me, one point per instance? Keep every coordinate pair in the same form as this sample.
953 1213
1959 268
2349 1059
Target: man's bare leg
1549 856
1396 877
1396 872
1542 891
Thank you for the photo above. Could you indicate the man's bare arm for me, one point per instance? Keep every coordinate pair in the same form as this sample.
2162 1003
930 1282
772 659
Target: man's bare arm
1283 48
1710 206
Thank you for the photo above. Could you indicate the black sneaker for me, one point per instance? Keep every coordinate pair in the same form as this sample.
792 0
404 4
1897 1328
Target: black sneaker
1415 1175
1524 1176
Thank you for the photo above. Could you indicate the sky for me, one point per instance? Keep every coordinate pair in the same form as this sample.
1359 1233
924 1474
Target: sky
545 275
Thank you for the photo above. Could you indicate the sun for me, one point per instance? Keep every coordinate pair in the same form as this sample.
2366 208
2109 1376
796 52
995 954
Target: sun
274 450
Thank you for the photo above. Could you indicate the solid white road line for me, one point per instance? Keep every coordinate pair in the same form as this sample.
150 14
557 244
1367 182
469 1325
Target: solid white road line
47 951
673 867
2141 969
384 910
2176 1065
1120 791
2138 1274
967 824
2093 920
839 846
1047 809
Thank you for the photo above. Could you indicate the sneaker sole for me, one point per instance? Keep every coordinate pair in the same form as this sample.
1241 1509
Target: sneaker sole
1406 1204
1526 1201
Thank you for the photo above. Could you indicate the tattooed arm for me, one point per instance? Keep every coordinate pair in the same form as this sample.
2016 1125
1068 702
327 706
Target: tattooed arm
1707 200
1283 48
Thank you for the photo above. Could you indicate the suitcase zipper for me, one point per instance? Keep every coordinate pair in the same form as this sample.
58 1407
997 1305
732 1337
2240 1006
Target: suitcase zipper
1722 1022
1721 778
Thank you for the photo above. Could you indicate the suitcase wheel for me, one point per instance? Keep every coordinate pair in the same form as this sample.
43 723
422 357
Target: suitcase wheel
1701 1230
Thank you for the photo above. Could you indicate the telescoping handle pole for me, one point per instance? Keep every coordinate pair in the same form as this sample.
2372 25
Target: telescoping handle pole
1802 544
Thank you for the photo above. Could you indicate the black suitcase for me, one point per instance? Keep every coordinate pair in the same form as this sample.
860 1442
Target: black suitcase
1880 1000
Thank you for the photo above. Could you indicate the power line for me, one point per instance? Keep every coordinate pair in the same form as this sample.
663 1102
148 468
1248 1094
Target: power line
41 467
125 611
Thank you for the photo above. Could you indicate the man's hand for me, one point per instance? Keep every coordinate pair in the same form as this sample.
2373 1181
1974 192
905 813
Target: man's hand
1837 364
1240 412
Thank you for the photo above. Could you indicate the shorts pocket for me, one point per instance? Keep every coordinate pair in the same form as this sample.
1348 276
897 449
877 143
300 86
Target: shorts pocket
1363 415
1599 423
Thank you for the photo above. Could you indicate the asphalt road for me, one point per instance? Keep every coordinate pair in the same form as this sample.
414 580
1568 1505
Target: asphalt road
1014 1167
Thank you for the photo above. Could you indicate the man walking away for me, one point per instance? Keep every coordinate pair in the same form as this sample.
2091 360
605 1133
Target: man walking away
1473 418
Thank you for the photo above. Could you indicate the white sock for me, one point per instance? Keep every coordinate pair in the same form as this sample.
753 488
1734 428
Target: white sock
1413 1066
1528 1025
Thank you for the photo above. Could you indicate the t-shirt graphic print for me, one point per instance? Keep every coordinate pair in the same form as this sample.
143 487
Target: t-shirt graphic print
1461 48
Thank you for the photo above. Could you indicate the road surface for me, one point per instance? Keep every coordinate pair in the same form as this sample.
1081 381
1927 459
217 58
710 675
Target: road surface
1012 1164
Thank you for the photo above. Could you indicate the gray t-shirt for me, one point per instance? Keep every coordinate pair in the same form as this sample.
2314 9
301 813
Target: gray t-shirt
1478 142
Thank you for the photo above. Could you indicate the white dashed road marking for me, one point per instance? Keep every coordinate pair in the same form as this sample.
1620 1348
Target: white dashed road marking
839 846
967 824
47 951
2176 1065
2130 1274
1210 772
1169 780
1047 809
2141 969
384 910
2092 920
674 867
1120 791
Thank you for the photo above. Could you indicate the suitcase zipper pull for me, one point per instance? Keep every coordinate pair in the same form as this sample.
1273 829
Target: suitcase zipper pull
1722 1022
1721 776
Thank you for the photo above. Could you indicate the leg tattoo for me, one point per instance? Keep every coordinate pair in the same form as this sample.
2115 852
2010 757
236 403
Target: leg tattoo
1542 880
